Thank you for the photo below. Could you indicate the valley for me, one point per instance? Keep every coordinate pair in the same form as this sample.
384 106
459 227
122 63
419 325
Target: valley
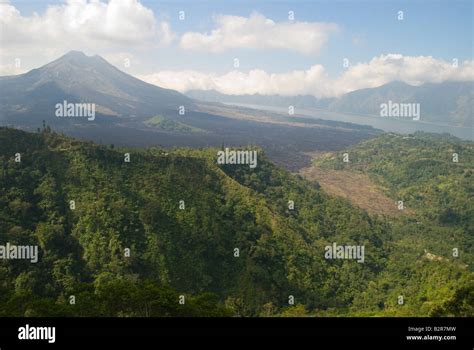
386 124
170 203
130 112
165 226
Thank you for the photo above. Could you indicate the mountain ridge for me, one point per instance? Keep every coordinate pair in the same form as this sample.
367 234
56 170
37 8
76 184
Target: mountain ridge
190 249
450 102
77 77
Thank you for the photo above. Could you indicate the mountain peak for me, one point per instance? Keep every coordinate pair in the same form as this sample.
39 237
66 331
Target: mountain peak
77 76
397 84
77 61
75 53
79 56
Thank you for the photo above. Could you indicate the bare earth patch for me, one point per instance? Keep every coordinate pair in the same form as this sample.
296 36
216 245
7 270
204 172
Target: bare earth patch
356 187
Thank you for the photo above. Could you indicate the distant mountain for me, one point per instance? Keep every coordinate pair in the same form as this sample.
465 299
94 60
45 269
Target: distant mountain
444 103
130 112
75 78
302 101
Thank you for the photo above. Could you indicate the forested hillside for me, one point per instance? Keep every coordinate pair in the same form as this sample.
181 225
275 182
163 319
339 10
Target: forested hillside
430 173
142 234
433 176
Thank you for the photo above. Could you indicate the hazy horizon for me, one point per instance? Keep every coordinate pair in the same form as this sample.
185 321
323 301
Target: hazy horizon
298 48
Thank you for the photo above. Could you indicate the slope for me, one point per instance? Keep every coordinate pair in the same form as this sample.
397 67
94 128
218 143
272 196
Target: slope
77 78
172 221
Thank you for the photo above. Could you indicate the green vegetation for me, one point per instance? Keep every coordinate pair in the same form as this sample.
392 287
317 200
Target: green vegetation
419 170
167 124
190 250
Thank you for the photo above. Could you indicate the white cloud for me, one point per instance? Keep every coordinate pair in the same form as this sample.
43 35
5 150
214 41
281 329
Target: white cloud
93 26
259 32
414 70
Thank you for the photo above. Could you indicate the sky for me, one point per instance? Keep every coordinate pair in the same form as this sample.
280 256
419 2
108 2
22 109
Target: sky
321 48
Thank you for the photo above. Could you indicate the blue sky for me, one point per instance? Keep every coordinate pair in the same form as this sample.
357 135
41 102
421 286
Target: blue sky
365 30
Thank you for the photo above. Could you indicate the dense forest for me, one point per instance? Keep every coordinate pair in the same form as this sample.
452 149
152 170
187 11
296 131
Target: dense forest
155 232
431 176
